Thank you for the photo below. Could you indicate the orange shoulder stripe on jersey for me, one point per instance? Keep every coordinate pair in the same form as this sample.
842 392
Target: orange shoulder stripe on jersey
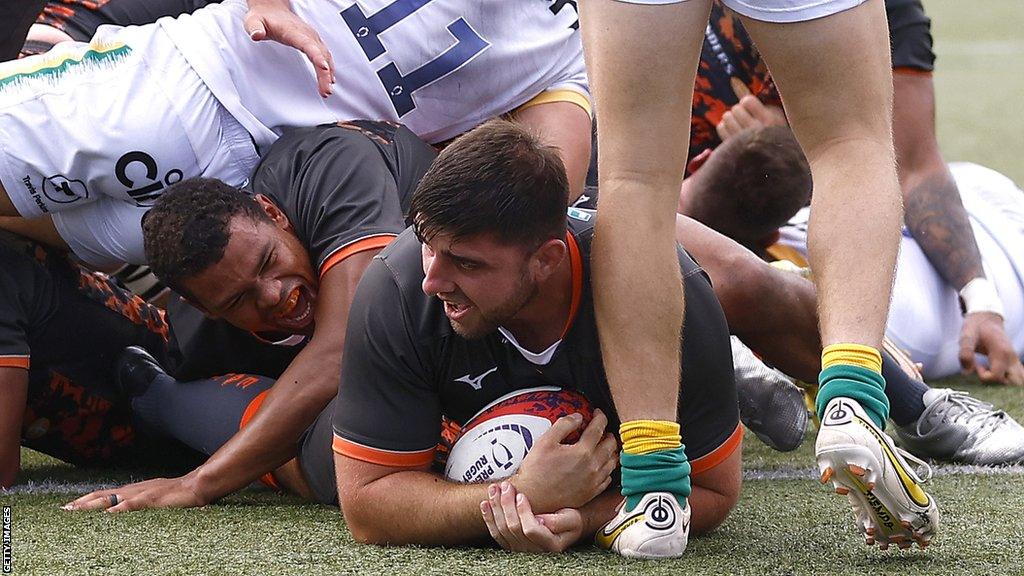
718 455
911 71
390 458
577 280
783 252
363 244
563 95
14 362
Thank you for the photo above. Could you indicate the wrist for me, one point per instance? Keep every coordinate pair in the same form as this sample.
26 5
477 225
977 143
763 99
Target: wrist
198 483
979 295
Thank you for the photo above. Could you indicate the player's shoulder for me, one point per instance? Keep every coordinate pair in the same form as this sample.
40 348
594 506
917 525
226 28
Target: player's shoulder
395 280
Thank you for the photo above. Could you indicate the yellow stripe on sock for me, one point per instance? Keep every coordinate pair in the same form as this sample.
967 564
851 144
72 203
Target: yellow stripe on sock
646 436
851 355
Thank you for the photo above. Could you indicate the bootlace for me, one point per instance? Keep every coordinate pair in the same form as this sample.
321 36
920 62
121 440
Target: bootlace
961 407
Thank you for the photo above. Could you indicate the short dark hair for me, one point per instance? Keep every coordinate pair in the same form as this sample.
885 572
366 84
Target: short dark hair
497 179
186 230
759 179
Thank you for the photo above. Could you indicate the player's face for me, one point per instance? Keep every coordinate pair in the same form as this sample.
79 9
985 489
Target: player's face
482 283
264 282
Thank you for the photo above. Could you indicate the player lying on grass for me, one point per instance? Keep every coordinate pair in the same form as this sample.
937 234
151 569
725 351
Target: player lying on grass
764 175
143 107
285 264
61 329
492 280
933 211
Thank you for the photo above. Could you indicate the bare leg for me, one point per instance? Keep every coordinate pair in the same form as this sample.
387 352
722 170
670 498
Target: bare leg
772 311
835 77
642 62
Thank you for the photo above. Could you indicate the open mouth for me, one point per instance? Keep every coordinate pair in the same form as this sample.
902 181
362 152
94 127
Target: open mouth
297 310
456 311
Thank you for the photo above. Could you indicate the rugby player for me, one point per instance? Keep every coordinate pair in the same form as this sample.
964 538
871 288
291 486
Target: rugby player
61 329
282 265
143 107
934 213
641 155
490 277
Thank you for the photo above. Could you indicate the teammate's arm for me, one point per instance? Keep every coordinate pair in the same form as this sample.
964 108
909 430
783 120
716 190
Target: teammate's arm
13 394
935 216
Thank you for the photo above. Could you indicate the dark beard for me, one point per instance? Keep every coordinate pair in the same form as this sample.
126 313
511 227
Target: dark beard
489 323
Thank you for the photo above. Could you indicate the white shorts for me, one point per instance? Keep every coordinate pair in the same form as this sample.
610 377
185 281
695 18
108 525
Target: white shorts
778 11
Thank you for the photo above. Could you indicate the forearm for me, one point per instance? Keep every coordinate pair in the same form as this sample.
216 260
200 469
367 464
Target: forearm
936 218
270 438
415 507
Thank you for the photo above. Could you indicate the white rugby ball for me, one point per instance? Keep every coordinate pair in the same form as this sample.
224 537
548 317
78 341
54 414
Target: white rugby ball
494 442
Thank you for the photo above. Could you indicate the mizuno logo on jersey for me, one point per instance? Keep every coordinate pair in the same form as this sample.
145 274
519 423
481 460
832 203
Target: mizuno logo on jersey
475 382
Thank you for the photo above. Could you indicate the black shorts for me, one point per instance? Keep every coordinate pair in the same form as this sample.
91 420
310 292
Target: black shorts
316 458
910 34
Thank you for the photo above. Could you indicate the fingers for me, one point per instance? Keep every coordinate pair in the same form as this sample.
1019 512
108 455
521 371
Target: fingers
968 341
285 27
561 429
739 88
492 526
255 27
728 127
94 501
1016 375
594 431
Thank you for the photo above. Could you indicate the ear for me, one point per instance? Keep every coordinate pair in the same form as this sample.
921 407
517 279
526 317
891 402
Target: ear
276 215
697 161
548 257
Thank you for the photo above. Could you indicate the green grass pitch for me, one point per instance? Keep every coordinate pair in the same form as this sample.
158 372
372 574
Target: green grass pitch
785 523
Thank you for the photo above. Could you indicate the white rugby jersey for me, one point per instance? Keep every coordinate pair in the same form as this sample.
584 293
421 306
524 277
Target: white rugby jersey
924 318
93 133
438 66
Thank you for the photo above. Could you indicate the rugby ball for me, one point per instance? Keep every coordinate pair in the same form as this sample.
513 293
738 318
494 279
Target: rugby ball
493 443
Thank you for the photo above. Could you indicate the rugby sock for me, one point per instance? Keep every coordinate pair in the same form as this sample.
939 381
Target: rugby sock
905 393
202 414
653 459
853 371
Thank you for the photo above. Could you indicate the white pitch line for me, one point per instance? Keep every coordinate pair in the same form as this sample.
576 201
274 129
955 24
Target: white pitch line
938 470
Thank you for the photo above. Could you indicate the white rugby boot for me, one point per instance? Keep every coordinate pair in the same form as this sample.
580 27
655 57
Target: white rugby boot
658 527
865 465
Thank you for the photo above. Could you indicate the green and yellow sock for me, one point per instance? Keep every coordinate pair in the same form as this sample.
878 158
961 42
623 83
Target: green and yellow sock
853 371
653 459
